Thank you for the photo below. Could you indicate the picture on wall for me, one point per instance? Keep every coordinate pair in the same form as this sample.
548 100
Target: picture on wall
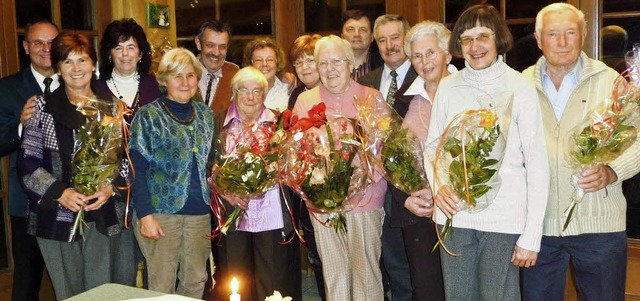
157 15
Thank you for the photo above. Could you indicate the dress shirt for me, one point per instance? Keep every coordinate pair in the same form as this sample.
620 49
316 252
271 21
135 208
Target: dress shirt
40 79
385 81
559 97
203 84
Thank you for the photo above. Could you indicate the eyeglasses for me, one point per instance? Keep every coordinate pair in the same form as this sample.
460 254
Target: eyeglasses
481 38
301 62
40 43
266 61
428 55
244 92
334 62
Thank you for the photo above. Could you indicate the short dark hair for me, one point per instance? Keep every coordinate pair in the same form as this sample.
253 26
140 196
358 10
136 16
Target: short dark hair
355 14
303 45
259 43
214 25
119 31
484 15
68 42
39 21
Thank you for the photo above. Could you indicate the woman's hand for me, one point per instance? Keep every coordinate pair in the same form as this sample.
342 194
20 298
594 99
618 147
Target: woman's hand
150 228
237 202
447 201
72 199
102 196
420 203
523 257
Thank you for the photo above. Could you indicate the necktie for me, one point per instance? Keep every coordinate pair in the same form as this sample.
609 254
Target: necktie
47 85
209 84
393 88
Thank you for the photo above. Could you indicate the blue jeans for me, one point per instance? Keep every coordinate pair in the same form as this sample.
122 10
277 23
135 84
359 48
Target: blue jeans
599 263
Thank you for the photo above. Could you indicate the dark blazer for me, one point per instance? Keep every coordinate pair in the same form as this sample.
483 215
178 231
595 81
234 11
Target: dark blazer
372 79
15 89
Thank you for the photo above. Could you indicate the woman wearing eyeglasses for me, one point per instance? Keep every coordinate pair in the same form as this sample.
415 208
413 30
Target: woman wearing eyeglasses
350 260
256 250
266 55
495 242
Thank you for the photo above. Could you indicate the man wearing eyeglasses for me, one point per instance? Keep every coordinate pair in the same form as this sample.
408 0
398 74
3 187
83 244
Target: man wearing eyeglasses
17 102
570 85
396 74
215 84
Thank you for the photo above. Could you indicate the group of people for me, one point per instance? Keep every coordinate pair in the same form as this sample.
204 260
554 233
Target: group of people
180 120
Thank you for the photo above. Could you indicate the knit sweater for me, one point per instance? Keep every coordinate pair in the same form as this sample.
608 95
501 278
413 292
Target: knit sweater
602 211
518 207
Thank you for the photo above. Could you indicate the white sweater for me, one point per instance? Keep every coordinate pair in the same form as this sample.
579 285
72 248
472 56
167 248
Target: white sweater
519 205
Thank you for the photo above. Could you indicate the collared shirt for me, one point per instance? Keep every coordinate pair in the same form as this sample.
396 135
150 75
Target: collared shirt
363 69
385 81
40 79
278 96
560 97
204 83
264 212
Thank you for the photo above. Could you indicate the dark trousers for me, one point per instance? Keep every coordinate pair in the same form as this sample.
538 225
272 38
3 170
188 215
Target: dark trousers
28 262
261 261
395 266
426 270
599 263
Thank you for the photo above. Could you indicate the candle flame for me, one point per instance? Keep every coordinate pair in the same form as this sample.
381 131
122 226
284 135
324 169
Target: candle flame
234 285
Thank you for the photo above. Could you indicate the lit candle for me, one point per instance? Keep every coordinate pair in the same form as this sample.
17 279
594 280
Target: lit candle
234 290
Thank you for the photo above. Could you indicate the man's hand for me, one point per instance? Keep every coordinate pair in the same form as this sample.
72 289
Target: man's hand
594 179
420 203
523 258
28 109
447 201
150 228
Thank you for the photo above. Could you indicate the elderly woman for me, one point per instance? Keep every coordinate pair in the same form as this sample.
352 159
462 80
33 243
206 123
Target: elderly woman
427 45
350 260
125 56
506 235
46 170
256 250
267 56
125 59
169 145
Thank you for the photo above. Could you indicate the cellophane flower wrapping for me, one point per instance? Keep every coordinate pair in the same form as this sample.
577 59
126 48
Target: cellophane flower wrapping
96 158
321 163
471 149
607 131
247 167
391 147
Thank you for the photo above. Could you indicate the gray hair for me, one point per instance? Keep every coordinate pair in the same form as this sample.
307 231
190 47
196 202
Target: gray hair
427 28
384 19
560 6
337 41
246 74
173 62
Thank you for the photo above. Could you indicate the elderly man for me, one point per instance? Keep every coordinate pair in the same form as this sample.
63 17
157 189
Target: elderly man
396 73
215 85
356 29
18 92
570 85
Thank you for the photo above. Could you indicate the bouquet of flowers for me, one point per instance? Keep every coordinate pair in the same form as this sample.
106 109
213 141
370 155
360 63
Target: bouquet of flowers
391 146
317 162
470 153
277 297
98 146
607 131
247 169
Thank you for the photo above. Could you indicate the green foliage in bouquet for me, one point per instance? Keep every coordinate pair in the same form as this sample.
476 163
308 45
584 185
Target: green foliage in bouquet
478 164
400 162
597 146
244 174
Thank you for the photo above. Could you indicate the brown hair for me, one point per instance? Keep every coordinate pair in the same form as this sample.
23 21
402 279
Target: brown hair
68 42
481 15
303 45
247 56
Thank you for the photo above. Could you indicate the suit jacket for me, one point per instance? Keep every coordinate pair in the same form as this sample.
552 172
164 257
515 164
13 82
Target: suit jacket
373 78
222 98
15 89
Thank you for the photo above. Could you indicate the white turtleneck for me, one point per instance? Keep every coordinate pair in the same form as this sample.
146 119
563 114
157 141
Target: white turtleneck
125 87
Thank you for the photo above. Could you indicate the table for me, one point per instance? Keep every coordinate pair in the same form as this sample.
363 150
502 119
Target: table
117 292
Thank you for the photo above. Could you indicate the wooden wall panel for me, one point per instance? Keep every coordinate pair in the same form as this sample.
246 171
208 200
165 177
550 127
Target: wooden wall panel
8 39
287 25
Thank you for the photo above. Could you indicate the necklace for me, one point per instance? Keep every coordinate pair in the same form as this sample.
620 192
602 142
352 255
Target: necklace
174 117
135 77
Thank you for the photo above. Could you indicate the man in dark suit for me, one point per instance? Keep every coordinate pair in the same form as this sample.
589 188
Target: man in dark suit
396 73
17 101
356 28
